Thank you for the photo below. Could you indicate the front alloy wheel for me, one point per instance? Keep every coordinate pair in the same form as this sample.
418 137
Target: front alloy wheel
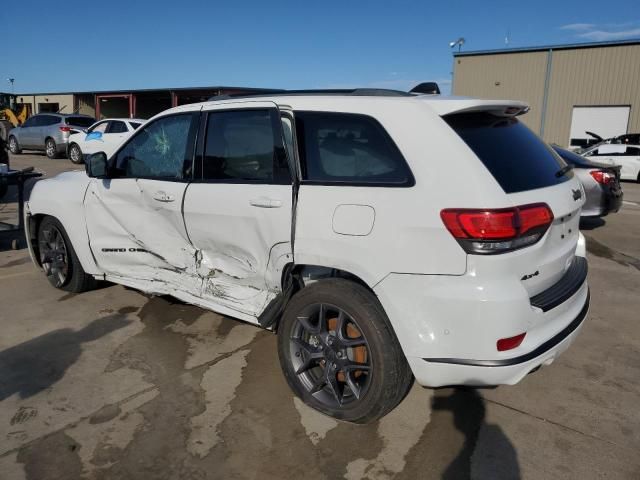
75 154
53 255
13 145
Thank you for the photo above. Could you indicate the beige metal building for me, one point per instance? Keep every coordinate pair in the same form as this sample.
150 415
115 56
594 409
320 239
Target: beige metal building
571 88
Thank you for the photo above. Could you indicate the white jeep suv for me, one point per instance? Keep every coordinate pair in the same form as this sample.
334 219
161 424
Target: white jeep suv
384 236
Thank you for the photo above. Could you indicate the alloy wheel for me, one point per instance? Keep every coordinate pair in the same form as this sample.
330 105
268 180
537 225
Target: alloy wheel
53 255
75 154
330 355
51 148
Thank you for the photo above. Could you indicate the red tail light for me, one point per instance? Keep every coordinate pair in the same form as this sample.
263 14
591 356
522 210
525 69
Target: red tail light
65 129
487 231
602 177
510 343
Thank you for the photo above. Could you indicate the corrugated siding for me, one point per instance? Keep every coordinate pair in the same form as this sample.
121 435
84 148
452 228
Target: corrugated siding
520 75
579 77
592 76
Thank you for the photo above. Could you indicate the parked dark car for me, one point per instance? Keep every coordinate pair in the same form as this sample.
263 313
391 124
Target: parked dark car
601 183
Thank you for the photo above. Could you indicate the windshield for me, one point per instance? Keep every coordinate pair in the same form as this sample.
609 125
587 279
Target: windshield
571 158
80 121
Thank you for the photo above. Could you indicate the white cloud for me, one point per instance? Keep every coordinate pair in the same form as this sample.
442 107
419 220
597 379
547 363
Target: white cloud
602 35
603 32
577 26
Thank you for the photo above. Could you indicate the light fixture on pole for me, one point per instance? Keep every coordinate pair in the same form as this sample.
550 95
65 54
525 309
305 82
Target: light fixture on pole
459 42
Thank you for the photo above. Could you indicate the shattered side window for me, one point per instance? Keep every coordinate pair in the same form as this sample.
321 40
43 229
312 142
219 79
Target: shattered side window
160 150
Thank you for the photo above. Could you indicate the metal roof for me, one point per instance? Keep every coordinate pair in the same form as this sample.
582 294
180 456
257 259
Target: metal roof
544 48
145 90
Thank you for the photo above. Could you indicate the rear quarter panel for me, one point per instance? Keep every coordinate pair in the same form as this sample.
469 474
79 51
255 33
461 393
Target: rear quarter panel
408 235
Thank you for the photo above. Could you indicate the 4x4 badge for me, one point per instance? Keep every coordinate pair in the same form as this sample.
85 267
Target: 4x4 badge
577 194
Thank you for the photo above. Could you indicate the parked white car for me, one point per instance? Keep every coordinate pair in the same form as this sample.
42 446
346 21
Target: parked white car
625 155
382 235
103 136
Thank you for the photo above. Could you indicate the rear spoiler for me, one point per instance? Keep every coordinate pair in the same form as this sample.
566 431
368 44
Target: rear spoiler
500 108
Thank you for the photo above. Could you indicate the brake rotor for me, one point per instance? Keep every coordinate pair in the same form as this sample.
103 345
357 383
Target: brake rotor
359 353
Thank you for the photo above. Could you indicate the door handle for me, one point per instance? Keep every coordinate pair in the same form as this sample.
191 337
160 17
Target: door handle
163 197
265 203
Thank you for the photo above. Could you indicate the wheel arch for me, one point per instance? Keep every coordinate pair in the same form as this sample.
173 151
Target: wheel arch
297 276
62 198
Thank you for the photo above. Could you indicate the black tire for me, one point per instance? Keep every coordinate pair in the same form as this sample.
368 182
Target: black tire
14 146
50 148
75 154
59 260
388 376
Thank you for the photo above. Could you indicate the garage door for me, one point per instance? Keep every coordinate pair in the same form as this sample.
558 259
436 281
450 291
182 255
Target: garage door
604 121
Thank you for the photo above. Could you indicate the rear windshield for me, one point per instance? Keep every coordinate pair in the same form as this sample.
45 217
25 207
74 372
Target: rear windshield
515 156
80 121
572 158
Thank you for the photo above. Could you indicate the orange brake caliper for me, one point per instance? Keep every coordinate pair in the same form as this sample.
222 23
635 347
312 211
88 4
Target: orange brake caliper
359 353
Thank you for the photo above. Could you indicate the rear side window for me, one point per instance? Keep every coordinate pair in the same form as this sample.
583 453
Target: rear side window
244 146
80 121
517 158
134 125
48 120
347 148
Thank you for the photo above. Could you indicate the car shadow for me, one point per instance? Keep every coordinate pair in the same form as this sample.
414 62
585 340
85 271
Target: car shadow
33 366
591 223
485 445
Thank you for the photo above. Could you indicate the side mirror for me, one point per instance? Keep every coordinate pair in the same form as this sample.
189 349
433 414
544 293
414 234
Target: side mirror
96 165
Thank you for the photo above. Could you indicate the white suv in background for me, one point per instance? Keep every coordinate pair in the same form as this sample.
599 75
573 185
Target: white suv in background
625 155
382 235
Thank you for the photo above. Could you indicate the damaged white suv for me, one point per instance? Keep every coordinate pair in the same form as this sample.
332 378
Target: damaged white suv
383 236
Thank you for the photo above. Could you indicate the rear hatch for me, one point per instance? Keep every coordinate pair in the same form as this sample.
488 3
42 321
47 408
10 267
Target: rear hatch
533 177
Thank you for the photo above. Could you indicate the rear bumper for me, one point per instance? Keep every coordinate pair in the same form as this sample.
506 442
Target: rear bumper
448 326
541 352
610 201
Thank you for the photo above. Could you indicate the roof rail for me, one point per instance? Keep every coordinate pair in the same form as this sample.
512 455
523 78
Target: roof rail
362 92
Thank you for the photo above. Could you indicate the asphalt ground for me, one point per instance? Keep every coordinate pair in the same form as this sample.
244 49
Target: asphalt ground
116 384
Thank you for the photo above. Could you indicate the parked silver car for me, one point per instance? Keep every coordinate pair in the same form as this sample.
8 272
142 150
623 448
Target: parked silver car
48 132
601 183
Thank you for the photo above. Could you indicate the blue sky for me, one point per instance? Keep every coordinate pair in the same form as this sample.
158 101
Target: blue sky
85 45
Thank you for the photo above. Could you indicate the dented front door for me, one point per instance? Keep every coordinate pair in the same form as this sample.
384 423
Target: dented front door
238 211
134 219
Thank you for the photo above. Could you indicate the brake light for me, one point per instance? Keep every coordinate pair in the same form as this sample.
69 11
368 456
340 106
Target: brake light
602 177
488 231
65 129
510 343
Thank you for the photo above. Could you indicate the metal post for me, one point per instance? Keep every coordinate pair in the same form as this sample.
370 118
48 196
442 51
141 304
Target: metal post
545 95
